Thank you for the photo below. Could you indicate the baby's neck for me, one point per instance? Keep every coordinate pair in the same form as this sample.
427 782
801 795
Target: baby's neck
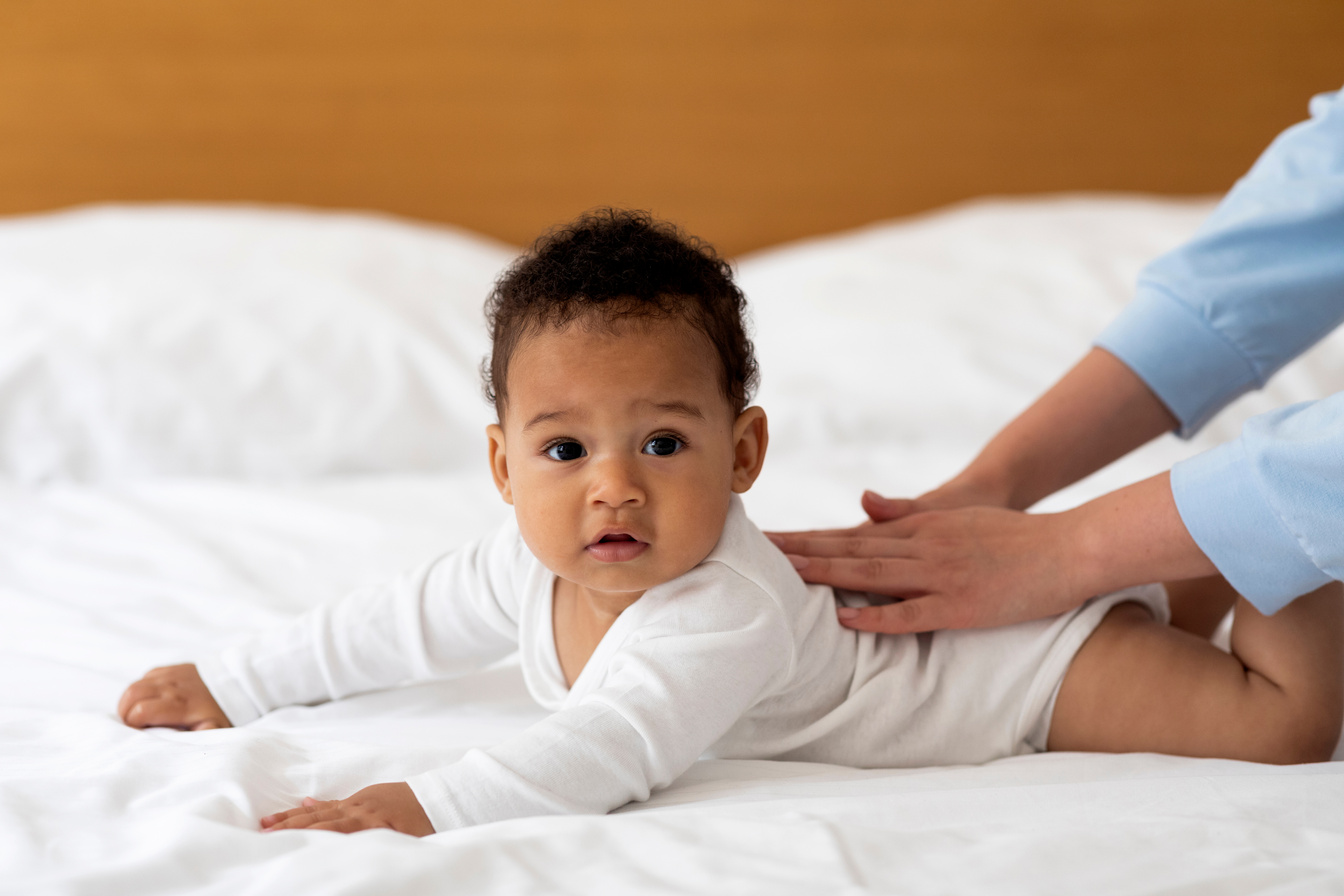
580 618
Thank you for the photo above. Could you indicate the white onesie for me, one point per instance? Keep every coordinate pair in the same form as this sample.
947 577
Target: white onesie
738 659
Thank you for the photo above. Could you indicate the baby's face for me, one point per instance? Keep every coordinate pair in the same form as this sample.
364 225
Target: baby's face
619 452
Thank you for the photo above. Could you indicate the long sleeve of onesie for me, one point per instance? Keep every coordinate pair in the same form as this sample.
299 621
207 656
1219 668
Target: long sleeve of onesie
1260 282
695 655
676 671
449 616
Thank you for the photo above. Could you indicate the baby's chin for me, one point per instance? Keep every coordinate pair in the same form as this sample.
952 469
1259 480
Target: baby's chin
632 577
621 581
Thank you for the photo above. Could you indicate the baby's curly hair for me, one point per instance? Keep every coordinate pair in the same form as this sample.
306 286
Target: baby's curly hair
612 265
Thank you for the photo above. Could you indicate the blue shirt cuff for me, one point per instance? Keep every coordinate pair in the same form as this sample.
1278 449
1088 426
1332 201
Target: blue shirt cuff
1226 513
1187 364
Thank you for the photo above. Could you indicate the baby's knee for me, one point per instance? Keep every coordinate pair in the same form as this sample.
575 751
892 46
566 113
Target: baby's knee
1309 729
1316 700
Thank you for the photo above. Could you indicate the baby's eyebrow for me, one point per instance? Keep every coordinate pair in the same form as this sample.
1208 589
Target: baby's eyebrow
545 417
680 408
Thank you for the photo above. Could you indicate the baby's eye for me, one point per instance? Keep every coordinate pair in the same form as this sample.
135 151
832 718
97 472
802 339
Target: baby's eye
663 446
565 451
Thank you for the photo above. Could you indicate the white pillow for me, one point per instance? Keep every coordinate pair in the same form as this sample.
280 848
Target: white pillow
239 341
890 354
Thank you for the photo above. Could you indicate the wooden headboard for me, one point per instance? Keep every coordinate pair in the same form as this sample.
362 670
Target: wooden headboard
748 121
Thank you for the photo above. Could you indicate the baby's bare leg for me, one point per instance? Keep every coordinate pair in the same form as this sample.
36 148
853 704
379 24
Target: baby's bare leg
1198 605
1137 686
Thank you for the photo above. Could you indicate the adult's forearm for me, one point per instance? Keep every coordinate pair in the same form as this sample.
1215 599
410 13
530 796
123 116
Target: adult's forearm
1098 412
1131 536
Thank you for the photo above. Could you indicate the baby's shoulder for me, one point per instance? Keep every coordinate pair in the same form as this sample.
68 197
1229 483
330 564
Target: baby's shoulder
746 560
744 547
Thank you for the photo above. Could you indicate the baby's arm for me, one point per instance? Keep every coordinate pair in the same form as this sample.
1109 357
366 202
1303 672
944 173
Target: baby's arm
450 616
171 697
1138 686
699 657
663 700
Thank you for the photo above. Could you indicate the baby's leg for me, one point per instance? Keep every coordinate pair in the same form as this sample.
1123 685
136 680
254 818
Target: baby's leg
1138 686
1199 605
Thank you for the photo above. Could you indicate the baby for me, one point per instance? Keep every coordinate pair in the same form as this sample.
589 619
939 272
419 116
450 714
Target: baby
660 625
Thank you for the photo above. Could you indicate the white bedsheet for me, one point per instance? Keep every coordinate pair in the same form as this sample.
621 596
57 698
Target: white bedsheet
888 356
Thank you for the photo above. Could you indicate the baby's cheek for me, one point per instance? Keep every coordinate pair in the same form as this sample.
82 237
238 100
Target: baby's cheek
541 540
699 532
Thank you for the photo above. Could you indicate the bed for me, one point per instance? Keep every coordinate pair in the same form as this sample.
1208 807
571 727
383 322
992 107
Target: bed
224 397
225 415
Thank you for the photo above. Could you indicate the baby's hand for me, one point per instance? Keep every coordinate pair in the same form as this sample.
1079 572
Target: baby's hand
171 697
379 806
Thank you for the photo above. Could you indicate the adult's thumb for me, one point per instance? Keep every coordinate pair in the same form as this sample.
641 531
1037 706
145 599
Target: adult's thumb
880 509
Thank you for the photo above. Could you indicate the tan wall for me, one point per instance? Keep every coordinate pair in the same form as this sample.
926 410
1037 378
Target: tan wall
749 122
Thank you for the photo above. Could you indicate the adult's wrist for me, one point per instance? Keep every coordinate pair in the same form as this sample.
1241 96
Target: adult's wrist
1098 412
1132 536
979 484
1086 552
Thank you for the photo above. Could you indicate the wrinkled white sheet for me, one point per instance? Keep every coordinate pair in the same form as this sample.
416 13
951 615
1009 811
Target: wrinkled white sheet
888 356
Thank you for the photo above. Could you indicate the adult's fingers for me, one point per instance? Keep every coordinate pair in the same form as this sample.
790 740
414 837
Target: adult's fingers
878 509
781 539
895 576
916 614
856 545
845 542
881 510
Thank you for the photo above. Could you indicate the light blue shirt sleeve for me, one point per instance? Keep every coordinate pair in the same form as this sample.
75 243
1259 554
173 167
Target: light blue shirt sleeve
1261 281
1268 507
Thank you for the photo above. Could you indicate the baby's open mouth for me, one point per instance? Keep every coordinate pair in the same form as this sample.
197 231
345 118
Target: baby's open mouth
616 547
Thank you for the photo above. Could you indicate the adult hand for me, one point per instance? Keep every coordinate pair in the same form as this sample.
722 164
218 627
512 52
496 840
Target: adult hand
171 697
954 494
378 806
974 567
969 567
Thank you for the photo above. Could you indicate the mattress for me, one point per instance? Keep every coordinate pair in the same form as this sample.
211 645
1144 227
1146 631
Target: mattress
212 418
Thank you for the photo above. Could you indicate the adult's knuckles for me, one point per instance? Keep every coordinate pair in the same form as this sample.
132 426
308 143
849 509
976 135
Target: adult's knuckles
874 570
900 616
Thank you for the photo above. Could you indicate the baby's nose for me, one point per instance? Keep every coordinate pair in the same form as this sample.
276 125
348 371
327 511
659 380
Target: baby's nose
616 482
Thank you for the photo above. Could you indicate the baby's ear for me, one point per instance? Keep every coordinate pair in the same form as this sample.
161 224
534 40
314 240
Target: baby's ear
751 434
499 463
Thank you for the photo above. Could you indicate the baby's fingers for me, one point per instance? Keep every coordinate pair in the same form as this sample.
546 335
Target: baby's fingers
136 693
310 813
155 712
343 825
